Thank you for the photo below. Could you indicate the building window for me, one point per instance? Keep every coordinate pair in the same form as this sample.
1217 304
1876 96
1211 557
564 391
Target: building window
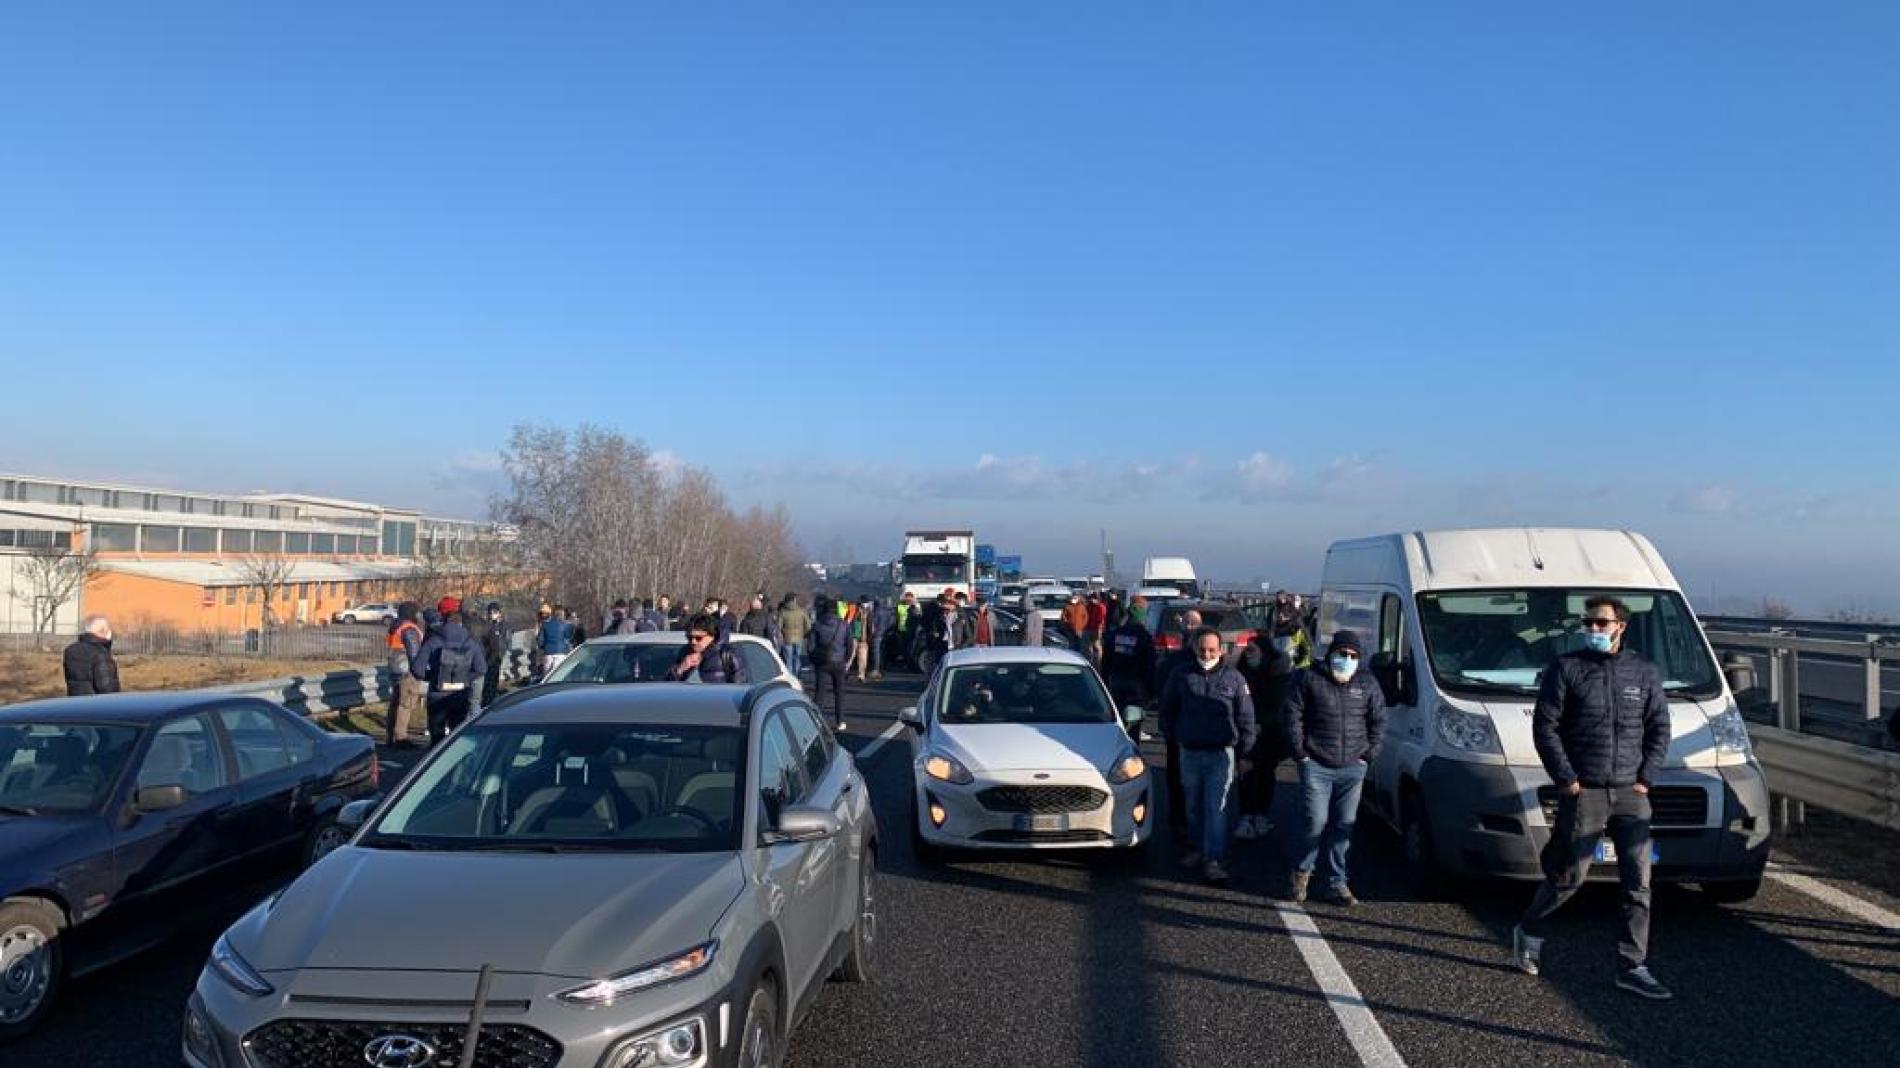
285 593
201 540
236 541
303 590
6 538
40 492
250 595
230 595
115 537
296 544
323 544
276 512
268 541
160 539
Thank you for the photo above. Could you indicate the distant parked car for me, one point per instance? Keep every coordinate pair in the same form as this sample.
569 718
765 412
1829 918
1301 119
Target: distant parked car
374 612
122 814
649 657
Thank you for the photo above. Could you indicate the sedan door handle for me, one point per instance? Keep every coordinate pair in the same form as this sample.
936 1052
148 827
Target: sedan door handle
849 786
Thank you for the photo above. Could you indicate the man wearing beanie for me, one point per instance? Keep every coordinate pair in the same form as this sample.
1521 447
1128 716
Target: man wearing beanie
1334 721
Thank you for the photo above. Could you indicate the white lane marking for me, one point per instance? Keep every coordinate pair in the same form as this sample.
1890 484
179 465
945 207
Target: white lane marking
878 742
1355 1016
1840 899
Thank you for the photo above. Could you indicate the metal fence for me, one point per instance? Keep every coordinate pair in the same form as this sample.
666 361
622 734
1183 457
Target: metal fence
350 644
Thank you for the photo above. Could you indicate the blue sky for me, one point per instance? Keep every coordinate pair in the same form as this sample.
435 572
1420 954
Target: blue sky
1224 279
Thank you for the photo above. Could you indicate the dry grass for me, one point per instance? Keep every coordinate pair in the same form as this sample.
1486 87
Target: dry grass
26 676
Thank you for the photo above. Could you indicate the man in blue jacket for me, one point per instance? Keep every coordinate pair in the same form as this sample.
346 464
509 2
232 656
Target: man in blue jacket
1207 715
1334 720
1601 725
451 661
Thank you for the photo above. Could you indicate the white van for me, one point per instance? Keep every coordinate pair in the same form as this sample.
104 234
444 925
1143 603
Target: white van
1458 627
1174 572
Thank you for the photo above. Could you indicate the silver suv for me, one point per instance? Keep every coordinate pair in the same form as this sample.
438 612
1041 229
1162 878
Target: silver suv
608 876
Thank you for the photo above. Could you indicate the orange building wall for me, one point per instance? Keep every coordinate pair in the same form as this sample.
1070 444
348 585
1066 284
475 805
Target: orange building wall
132 601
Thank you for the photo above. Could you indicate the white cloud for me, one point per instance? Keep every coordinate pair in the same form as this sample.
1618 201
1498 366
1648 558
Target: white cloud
1261 472
1712 499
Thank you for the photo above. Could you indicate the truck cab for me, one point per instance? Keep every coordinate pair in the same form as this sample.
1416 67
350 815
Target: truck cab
1458 628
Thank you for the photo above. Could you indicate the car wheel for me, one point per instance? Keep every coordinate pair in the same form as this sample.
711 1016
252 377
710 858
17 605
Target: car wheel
759 1042
1421 855
1731 893
324 838
860 963
31 965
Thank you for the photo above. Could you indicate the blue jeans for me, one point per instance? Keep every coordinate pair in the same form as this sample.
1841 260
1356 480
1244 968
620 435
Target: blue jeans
794 656
1330 798
1207 780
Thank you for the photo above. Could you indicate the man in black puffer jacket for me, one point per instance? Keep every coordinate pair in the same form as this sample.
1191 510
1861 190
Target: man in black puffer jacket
1601 725
1207 715
708 657
88 663
1334 720
830 650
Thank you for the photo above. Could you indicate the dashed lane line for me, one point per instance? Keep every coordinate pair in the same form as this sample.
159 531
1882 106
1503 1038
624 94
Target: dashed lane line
878 742
1362 1028
1839 899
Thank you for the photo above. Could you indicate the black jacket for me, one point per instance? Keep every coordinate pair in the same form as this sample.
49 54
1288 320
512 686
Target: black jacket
1208 709
90 667
1128 655
718 664
450 659
495 642
1601 720
1334 723
830 641
757 622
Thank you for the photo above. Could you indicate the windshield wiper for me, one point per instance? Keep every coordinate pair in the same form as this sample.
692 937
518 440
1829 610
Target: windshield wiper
1492 687
18 810
388 841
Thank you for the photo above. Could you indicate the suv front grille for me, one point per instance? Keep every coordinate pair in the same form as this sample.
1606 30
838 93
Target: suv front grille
1669 806
343 1044
1041 800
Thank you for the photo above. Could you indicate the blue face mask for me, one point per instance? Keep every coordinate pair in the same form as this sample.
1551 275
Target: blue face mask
1343 666
1599 641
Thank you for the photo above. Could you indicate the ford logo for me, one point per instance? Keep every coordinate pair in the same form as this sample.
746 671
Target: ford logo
398 1051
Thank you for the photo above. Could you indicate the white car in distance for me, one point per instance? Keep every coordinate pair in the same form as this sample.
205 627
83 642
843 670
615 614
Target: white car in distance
650 656
1017 748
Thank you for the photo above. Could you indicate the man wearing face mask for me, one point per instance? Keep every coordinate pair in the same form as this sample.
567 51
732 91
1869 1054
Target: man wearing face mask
1601 724
1334 720
1207 716
1165 669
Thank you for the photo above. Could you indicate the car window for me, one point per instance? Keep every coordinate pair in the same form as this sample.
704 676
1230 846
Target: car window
255 738
814 742
759 661
184 753
618 662
1023 693
61 767
781 774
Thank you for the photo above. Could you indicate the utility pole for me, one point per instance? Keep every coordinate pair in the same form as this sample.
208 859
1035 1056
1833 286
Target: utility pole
1108 561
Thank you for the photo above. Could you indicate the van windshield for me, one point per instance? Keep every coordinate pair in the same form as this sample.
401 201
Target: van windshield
933 569
1490 641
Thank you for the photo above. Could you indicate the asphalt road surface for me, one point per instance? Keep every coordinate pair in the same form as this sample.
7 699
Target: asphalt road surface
1098 961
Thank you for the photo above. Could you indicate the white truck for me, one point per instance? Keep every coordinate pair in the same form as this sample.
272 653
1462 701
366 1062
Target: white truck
1458 627
1173 572
935 561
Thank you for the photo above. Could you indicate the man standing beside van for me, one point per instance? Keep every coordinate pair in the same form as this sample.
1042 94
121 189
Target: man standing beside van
1601 725
1335 722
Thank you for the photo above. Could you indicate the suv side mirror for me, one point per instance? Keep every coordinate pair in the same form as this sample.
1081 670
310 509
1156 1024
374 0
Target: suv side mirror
355 814
159 798
1131 715
804 823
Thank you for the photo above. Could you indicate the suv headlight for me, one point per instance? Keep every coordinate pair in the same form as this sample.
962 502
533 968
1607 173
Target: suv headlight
947 769
1730 731
1127 767
606 991
1467 732
683 1045
235 971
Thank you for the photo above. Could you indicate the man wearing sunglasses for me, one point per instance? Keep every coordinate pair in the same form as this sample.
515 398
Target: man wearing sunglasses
707 656
1601 725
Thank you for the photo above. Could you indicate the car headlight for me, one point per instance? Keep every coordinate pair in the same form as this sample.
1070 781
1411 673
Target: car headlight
1730 731
947 769
682 1045
605 991
1469 732
234 970
1127 767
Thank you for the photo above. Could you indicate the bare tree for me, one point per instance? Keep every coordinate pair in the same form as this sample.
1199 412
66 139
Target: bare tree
268 574
1773 609
53 578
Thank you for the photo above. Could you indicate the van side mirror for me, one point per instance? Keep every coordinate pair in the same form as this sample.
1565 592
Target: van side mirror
1739 669
355 814
159 798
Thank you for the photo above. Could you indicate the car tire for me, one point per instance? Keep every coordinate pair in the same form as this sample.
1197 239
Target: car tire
1732 892
323 839
860 963
32 964
1420 852
759 1039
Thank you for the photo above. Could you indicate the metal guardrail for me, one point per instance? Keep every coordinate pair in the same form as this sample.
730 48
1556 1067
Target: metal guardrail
322 696
1832 773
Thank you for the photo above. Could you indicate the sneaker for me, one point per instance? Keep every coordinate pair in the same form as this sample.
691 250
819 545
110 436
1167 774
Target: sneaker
877 676
838 728
1638 981
1341 894
1215 872
1526 952
1296 887
1243 831
1191 859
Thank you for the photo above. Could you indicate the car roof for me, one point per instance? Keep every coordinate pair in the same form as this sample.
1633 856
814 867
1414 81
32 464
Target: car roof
678 703
114 708
977 655
663 637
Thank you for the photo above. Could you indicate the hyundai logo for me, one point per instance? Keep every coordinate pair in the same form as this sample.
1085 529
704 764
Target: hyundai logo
398 1051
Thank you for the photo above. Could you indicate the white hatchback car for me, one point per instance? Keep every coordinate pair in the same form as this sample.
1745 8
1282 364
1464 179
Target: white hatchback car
1018 748
648 657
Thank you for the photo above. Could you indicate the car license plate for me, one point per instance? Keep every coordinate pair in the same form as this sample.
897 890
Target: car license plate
1042 824
1606 852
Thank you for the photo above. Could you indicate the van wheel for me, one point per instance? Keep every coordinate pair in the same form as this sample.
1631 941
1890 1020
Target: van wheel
32 964
759 1041
1732 893
1421 855
860 963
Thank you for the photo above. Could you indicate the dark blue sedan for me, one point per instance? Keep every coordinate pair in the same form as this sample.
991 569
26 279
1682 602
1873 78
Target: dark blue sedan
121 814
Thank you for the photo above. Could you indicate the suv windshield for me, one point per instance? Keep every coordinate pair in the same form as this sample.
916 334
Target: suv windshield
619 662
596 786
1024 693
60 767
1486 640
936 568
